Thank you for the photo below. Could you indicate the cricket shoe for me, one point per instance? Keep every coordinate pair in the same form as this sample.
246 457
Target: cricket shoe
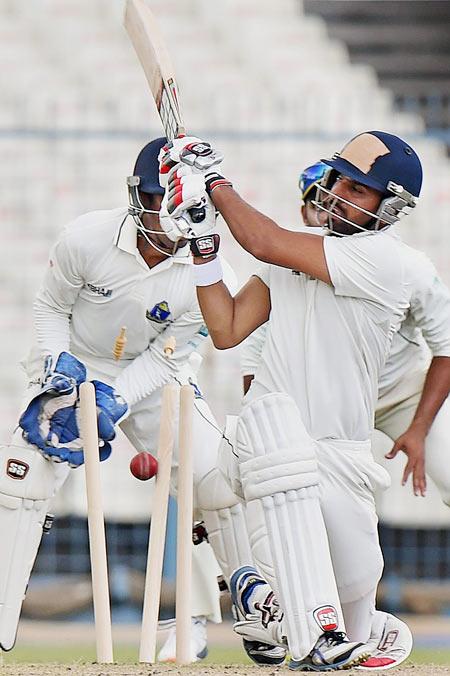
332 652
264 654
199 646
393 643
259 617
261 653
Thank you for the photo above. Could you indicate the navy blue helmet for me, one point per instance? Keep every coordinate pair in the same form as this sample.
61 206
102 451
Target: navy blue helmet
147 168
380 161
377 159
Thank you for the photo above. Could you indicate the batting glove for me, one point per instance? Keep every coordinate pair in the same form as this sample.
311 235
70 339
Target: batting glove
205 246
189 150
184 198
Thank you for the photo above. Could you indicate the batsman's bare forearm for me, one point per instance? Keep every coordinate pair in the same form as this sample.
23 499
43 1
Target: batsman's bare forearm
231 319
435 390
217 306
266 240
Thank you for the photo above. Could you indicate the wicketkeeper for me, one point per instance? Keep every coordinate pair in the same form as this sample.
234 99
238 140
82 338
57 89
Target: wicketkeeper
110 269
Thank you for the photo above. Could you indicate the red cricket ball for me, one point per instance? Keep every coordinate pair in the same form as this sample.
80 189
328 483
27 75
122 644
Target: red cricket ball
143 466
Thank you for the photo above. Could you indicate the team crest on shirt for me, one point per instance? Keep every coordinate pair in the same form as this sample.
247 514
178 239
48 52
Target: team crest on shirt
159 313
326 617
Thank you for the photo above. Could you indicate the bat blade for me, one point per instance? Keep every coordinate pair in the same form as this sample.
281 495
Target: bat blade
151 50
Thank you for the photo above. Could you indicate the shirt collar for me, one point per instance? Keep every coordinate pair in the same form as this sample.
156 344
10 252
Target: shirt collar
126 236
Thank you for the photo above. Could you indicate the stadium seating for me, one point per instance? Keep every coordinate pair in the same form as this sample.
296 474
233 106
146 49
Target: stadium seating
260 79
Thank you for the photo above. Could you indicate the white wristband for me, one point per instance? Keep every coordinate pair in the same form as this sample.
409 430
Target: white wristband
208 273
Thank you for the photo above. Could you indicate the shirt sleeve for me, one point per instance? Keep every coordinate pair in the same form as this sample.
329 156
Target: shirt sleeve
53 304
229 276
367 267
250 352
430 308
263 272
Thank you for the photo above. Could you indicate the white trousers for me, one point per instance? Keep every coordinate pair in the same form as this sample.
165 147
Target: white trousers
348 478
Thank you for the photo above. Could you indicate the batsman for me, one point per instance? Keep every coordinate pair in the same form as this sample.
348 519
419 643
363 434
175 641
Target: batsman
302 459
111 269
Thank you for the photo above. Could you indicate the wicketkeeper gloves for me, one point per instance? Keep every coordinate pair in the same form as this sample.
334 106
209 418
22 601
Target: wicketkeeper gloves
51 420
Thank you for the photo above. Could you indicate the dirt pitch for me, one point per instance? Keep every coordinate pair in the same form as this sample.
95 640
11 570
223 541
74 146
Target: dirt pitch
41 635
196 670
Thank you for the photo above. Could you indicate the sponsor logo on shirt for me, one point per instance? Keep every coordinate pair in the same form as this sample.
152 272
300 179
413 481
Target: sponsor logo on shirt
160 313
203 331
100 290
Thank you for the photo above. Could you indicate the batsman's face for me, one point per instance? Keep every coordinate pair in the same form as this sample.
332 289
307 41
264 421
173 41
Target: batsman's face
361 198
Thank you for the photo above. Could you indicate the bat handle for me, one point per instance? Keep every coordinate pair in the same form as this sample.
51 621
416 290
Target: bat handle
197 214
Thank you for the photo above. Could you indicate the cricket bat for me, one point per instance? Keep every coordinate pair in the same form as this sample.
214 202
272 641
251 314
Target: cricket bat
149 45
151 50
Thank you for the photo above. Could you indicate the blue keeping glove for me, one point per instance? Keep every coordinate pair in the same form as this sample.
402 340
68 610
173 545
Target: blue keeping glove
64 377
50 415
75 458
111 409
51 419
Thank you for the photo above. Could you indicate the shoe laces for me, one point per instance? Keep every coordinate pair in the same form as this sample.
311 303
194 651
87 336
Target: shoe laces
335 637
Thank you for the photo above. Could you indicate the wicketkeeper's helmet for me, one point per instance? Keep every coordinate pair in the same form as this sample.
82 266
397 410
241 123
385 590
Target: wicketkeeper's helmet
147 167
145 179
309 177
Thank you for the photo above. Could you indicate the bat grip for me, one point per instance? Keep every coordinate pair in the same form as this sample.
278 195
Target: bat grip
197 214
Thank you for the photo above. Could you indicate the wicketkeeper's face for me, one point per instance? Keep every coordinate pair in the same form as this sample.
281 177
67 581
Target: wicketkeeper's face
310 215
151 222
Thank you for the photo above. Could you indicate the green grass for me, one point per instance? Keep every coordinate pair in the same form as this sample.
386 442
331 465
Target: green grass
125 653
430 656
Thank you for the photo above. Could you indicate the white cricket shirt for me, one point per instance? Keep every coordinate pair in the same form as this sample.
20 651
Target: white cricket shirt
97 282
425 331
326 344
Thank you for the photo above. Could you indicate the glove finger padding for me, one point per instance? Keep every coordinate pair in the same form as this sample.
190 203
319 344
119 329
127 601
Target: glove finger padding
185 190
50 413
54 429
75 458
111 409
169 156
63 376
51 420
189 150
